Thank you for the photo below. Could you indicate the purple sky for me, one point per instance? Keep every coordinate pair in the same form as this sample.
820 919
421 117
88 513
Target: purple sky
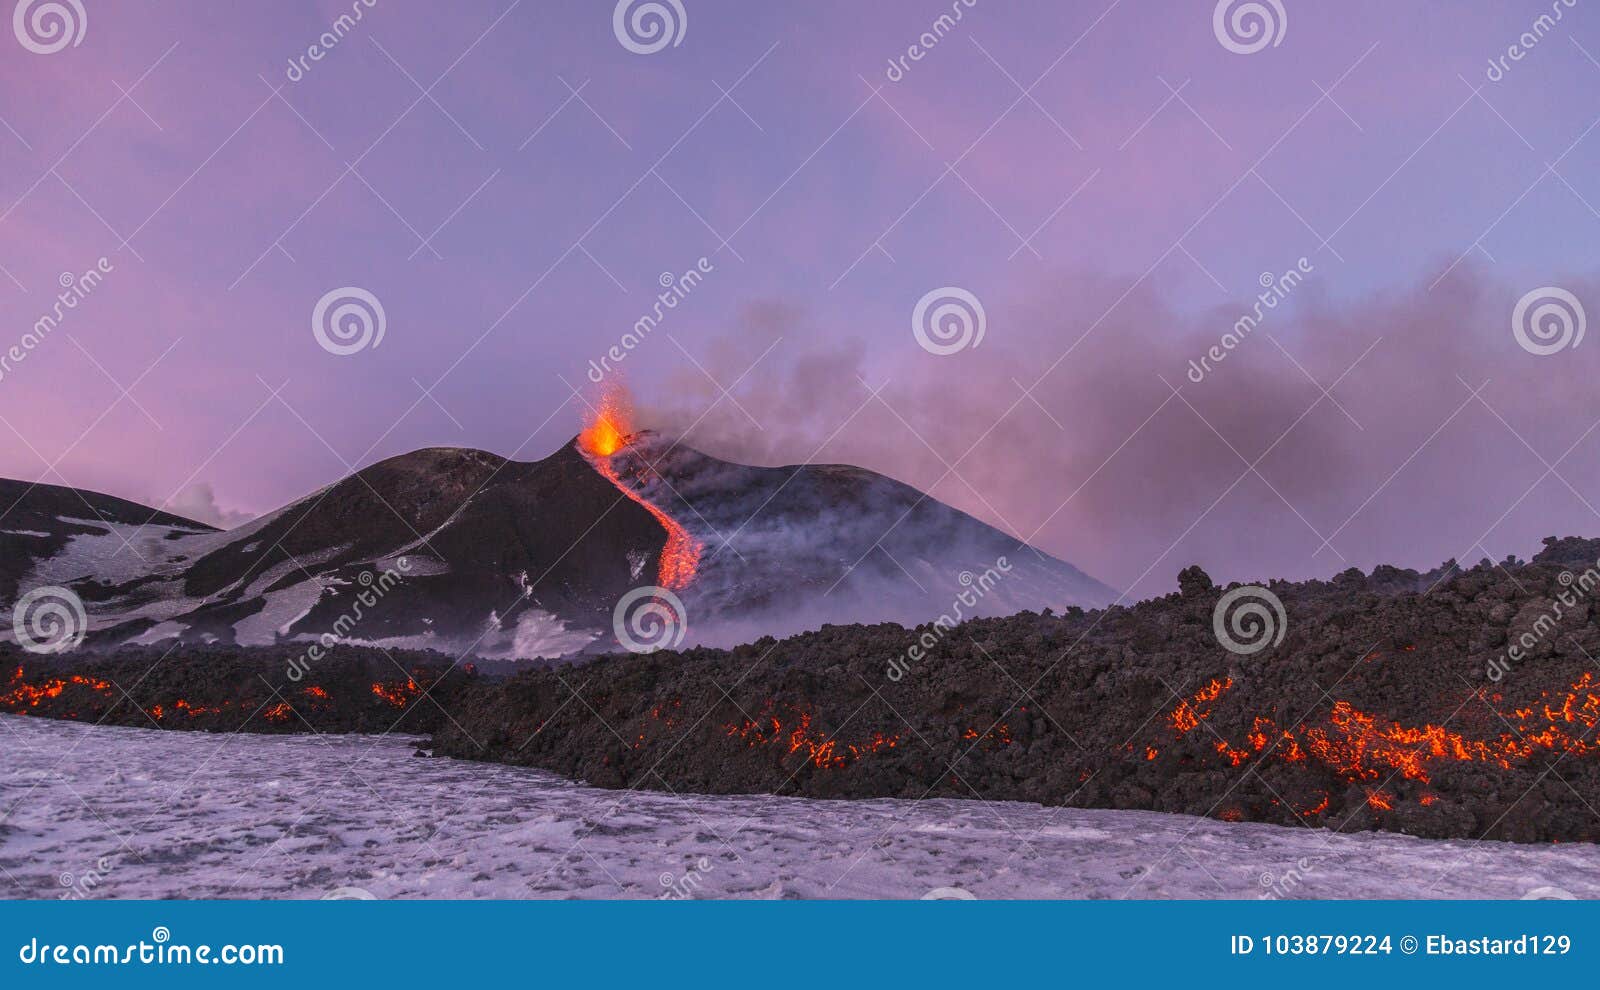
1112 228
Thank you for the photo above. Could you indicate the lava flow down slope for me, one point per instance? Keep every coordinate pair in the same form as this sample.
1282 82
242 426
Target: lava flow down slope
468 552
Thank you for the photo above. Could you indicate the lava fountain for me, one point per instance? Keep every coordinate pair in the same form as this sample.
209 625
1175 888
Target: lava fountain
607 433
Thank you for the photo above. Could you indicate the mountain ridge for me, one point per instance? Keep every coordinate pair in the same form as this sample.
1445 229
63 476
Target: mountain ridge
529 558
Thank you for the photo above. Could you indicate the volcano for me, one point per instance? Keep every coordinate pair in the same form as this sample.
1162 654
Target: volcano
468 552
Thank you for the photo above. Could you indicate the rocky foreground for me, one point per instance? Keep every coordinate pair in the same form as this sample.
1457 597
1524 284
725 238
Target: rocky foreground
1453 704
1386 705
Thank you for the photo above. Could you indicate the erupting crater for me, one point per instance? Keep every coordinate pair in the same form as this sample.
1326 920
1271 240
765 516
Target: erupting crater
607 437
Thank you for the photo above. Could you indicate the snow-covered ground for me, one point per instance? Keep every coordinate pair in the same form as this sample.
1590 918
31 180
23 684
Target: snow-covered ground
113 812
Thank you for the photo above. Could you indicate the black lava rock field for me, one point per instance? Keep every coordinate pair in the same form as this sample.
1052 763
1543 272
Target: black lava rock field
1457 703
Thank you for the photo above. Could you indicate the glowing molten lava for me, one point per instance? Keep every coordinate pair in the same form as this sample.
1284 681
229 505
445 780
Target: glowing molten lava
21 695
1359 746
397 693
609 431
603 436
815 748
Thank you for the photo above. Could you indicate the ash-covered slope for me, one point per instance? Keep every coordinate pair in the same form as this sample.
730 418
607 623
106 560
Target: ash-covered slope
481 554
468 552
791 548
